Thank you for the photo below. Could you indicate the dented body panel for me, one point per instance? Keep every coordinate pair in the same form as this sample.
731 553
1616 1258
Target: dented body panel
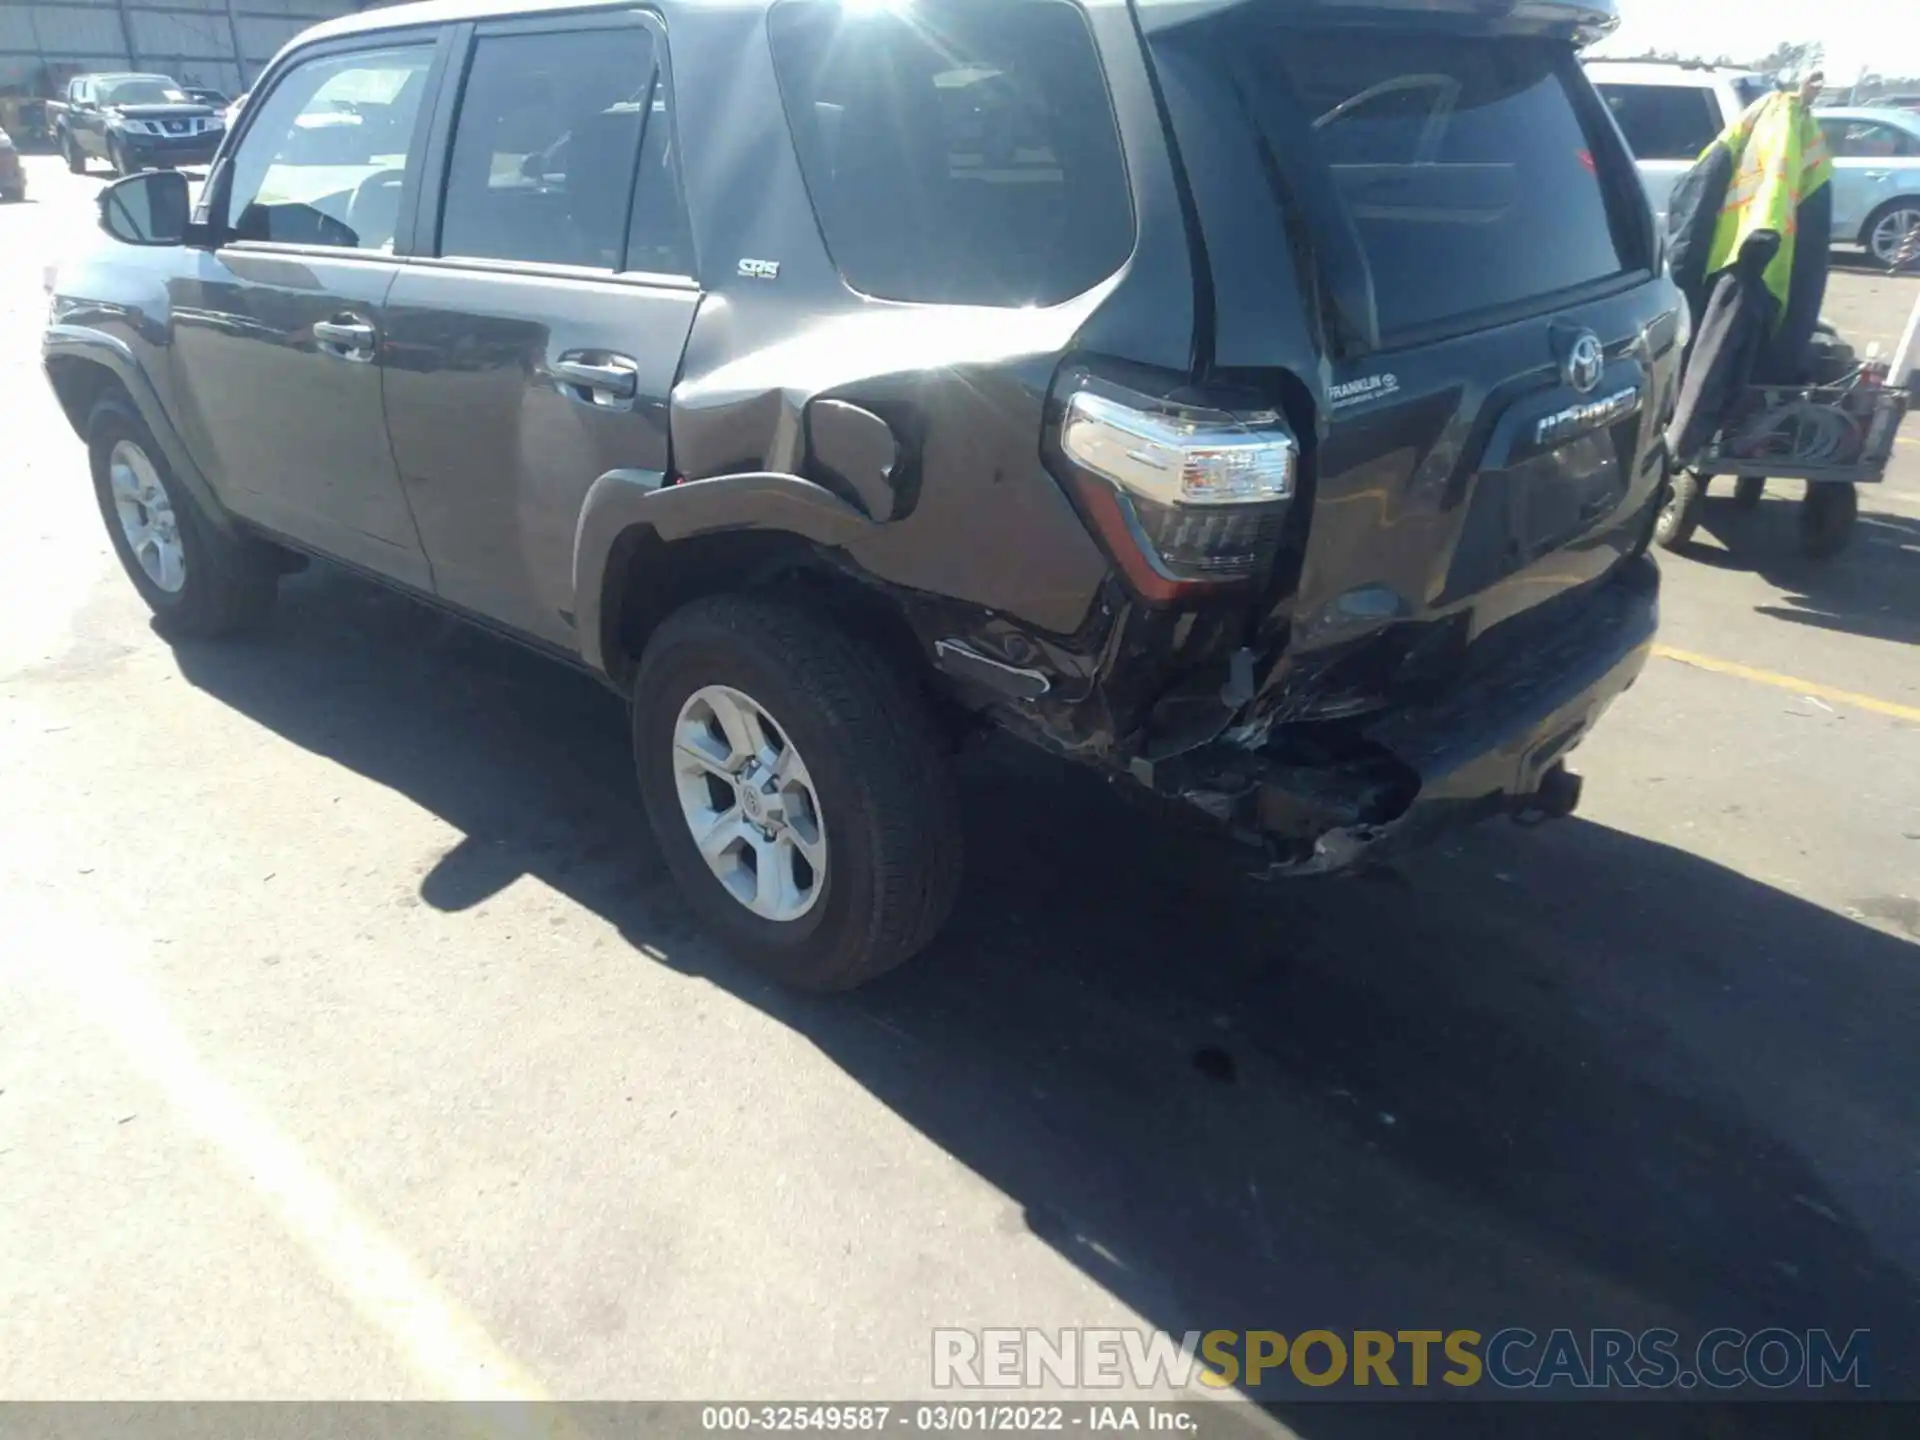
1456 592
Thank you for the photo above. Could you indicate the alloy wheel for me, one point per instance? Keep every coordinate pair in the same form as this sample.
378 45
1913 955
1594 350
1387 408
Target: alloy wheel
146 517
750 803
1896 231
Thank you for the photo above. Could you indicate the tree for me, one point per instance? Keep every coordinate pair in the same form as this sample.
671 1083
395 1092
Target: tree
1787 58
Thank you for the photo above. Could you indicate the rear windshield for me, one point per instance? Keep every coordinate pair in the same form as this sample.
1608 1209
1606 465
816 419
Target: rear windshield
1463 163
956 151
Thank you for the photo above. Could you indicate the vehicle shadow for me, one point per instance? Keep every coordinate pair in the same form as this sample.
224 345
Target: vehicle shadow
1873 589
1856 260
1560 1078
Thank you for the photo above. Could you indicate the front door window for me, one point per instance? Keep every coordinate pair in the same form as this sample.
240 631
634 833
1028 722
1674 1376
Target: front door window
326 159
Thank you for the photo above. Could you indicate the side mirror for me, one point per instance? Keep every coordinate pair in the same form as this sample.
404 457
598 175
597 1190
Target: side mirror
149 208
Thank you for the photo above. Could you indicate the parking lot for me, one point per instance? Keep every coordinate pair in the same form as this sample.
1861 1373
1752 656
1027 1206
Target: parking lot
353 1044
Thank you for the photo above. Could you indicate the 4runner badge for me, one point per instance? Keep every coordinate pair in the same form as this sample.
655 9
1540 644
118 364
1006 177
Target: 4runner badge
760 269
1580 419
1358 392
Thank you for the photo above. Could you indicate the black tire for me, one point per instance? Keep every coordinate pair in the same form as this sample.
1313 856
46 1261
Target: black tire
229 580
1827 516
887 805
1680 514
75 157
1748 492
117 157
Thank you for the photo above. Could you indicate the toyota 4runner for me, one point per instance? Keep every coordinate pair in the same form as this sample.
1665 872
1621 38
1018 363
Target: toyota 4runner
1257 400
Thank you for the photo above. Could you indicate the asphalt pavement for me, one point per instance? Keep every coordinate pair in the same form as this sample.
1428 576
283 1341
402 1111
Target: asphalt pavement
353 1043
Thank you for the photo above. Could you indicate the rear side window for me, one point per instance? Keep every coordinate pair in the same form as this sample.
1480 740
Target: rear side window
561 152
1868 140
1664 122
959 152
1463 162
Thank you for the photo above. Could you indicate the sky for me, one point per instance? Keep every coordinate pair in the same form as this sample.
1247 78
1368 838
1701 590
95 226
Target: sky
1884 37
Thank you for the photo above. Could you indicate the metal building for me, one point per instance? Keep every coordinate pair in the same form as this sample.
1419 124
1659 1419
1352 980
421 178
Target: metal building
220 43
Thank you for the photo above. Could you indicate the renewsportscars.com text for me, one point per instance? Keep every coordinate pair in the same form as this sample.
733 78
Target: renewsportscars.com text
1514 1358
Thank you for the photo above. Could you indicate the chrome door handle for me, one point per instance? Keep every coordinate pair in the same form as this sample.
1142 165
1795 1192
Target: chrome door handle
607 381
1878 174
344 339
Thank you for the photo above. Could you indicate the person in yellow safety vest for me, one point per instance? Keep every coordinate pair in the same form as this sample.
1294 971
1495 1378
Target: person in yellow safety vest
1748 234
1780 159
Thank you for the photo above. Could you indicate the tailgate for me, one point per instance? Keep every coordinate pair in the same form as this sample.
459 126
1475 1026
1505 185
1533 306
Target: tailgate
1427 217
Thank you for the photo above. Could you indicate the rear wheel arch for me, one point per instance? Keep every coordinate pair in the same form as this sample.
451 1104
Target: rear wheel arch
649 578
642 541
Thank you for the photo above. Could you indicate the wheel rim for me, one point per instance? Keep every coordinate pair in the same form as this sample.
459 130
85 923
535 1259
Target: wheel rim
146 517
1894 230
749 803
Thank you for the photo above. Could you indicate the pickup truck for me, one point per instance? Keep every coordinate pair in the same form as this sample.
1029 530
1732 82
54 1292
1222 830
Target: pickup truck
134 122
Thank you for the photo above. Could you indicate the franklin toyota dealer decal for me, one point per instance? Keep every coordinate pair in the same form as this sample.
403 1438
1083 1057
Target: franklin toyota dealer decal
1364 390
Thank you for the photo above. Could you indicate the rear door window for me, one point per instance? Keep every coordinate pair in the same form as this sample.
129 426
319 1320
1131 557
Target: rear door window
960 151
1664 122
1471 177
562 154
1868 140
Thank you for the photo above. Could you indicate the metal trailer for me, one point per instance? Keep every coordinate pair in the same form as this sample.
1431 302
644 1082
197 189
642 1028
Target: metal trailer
1836 435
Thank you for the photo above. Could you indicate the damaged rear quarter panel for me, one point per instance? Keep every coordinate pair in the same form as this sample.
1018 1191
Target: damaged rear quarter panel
982 544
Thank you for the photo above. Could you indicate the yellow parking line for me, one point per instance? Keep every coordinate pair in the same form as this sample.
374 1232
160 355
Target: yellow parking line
1789 682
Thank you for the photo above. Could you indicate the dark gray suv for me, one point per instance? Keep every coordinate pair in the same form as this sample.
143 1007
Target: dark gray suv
1256 400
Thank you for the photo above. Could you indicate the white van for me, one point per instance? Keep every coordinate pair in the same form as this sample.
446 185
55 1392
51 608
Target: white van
1670 111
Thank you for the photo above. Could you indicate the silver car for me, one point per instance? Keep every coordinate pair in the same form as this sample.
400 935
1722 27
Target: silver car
1876 176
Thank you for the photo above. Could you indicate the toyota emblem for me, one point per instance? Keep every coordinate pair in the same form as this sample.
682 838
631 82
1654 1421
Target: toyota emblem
1584 362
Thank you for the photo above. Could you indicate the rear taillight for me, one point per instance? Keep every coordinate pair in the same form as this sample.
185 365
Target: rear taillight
1187 497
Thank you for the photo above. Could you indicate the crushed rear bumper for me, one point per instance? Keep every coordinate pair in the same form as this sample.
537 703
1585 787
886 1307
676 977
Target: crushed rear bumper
1496 744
